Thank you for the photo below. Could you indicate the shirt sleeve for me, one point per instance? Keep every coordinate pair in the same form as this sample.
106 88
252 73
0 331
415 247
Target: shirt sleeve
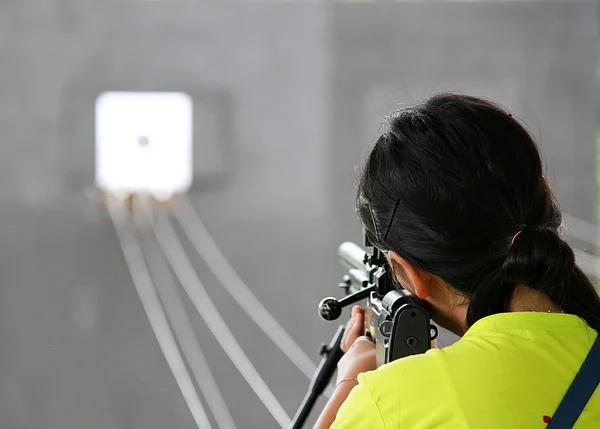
359 410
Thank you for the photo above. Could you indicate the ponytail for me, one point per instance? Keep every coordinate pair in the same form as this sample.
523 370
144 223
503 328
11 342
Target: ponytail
540 259
492 295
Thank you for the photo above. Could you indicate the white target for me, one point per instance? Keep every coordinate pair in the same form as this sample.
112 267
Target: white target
144 143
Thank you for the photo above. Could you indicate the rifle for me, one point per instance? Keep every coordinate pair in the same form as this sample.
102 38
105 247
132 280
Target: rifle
395 320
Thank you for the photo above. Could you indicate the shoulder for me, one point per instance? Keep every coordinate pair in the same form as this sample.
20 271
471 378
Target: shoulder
405 382
402 385
376 401
393 378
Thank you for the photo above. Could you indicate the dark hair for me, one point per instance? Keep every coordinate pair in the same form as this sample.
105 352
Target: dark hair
449 185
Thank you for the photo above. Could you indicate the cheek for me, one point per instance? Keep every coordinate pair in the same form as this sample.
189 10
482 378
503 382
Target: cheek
400 278
406 285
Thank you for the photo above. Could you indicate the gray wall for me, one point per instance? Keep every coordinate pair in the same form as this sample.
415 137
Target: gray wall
536 58
287 98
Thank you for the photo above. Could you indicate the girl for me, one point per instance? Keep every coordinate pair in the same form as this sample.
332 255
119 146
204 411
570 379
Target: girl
454 194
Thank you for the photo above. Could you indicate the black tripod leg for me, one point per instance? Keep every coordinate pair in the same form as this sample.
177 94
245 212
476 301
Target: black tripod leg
322 377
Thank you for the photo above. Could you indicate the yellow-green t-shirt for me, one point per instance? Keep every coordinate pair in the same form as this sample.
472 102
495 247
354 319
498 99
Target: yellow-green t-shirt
509 371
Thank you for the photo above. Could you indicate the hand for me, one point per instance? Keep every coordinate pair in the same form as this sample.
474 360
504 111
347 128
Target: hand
359 350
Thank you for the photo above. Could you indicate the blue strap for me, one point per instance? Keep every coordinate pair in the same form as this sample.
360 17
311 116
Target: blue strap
580 391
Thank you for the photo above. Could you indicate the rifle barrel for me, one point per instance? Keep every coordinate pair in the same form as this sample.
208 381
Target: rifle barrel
352 256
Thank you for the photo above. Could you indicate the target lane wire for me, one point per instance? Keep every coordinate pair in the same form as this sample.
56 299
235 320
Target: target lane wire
207 249
185 272
182 326
142 280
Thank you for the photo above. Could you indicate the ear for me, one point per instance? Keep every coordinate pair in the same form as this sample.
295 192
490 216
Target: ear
419 279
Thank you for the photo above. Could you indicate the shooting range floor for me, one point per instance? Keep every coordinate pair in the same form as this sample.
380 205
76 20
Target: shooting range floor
78 350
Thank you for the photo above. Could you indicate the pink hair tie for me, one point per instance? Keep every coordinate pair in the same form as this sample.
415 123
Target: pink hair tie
514 238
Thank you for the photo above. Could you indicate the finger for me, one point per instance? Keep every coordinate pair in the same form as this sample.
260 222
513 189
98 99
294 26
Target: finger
356 330
344 344
358 310
350 326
